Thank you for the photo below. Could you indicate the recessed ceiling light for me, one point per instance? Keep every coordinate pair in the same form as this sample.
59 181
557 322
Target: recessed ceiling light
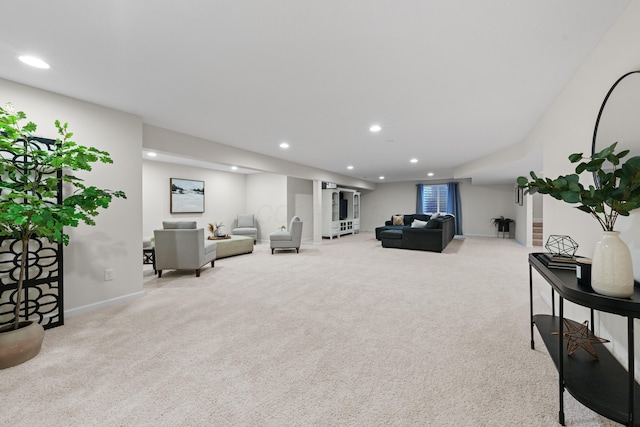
152 154
349 167
430 174
381 177
234 168
375 128
33 61
414 160
284 145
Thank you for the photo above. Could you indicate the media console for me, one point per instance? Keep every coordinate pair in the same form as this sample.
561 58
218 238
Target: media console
603 385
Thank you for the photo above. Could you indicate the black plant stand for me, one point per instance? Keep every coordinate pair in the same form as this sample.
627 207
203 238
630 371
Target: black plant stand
506 228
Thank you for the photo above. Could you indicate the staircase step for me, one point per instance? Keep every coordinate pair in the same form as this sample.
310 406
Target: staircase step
537 233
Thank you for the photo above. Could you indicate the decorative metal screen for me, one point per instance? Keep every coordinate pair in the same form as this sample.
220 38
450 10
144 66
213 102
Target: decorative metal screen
43 300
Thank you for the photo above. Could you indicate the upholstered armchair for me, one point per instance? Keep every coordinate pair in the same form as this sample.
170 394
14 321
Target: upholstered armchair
289 239
246 225
182 246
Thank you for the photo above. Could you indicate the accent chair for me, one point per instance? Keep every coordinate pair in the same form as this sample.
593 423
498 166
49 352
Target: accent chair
289 239
182 246
246 225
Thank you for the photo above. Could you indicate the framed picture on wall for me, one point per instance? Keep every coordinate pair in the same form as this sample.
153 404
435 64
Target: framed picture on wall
519 195
187 196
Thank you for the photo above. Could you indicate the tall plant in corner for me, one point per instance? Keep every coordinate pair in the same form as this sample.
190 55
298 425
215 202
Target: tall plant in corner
29 185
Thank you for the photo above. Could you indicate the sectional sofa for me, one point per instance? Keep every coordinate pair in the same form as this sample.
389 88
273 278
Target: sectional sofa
417 231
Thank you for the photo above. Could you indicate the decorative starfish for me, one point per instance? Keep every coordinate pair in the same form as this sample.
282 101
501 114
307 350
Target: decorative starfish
580 337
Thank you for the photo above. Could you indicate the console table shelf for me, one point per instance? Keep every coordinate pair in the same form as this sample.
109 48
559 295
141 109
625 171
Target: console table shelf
598 384
603 385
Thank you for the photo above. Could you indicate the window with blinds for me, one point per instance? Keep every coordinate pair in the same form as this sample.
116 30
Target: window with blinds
434 198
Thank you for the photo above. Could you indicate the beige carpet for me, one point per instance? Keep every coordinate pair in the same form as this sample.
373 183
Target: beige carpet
346 333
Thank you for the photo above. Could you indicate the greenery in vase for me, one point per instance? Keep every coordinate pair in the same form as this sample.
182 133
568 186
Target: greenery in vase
29 181
615 190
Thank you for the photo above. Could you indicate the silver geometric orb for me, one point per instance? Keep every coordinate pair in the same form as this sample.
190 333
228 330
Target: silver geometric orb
561 245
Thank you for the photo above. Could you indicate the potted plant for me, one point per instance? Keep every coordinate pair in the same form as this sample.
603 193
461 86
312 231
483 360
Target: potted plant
615 191
502 223
29 207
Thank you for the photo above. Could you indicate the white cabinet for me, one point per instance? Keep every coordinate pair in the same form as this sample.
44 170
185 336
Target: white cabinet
356 212
330 213
340 212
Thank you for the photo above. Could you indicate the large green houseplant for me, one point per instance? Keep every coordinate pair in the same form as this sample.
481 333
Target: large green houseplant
29 184
614 190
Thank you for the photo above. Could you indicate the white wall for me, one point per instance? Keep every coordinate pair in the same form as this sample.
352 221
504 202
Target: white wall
266 196
524 218
300 203
115 241
479 205
388 199
224 196
538 202
531 210
567 127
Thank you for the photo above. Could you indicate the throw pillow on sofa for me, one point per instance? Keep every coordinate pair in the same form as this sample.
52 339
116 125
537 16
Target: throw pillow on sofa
418 224
434 223
398 220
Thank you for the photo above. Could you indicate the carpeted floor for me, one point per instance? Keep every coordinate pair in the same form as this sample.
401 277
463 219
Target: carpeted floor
346 333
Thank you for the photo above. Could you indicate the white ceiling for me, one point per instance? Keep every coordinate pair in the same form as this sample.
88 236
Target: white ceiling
449 81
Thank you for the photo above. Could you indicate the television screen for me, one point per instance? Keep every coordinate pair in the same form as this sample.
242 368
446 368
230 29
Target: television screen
343 209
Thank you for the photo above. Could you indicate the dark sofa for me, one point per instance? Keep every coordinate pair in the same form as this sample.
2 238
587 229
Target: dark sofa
407 220
433 236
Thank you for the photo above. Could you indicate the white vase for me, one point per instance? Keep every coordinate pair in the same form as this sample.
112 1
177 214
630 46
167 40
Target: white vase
611 269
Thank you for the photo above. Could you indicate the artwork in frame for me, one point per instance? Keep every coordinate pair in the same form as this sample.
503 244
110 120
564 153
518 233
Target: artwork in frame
187 196
519 195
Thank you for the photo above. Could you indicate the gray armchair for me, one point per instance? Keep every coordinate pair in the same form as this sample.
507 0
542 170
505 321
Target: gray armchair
246 225
289 239
182 246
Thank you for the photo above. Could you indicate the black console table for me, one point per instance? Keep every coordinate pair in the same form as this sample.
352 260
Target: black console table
603 385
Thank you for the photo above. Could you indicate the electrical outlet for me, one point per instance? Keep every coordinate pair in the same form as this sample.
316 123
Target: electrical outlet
108 274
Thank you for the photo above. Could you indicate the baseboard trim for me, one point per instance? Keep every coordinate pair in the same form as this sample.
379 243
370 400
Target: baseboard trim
102 304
